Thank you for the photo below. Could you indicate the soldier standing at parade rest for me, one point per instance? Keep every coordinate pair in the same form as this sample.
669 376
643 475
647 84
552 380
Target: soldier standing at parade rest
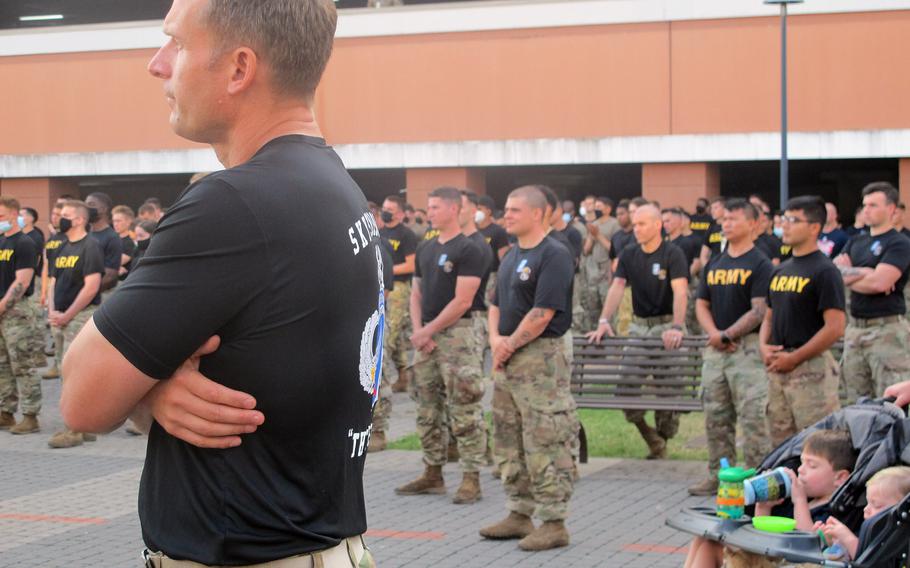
495 236
731 305
534 419
674 221
714 243
875 268
447 369
20 335
658 275
805 317
402 242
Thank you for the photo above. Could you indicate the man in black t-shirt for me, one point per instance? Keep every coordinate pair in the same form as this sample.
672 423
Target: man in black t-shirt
20 336
447 366
383 409
765 241
701 221
805 317
673 221
74 292
467 221
731 306
53 244
534 421
621 239
714 242
402 242
107 237
495 236
30 217
875 266
261 289
122 218
659 277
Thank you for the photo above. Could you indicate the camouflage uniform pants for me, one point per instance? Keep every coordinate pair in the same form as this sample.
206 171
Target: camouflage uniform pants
802 397
624 314
735 388
398 339
491 287
450 379
383 409
72 329
875 357
591 285
665 421
535 428
692 325
21 351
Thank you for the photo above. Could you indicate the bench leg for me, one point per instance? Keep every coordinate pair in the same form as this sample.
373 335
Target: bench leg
582 444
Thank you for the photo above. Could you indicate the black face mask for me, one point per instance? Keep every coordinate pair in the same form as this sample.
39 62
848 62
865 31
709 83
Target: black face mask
92 215
386 217
598 214
419 220
700 209
143 245
65 225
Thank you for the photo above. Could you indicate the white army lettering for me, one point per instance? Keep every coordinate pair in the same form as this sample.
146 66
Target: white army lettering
359 238
784 283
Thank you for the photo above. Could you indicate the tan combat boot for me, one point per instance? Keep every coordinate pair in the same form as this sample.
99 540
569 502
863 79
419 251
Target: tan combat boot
51 373
7 420
452 455
705 488
430 483
656 444
377 442
515 525
28 425
65 439
551 534
469 491
404 377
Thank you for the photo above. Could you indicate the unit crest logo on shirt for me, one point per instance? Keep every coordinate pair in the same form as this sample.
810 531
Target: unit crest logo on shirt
371 341
876 248
524 271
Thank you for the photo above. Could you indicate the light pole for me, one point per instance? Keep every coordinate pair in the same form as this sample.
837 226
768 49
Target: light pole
784 162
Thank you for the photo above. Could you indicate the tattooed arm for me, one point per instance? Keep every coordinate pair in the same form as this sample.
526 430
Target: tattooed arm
530 328
749 321
17 291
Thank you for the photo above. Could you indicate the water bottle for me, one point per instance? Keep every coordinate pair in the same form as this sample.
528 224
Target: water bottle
769 486
731 497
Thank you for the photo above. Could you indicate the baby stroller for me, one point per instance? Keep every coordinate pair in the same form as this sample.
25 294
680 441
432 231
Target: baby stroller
880 433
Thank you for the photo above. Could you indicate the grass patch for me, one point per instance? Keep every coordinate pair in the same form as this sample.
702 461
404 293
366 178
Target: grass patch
610 436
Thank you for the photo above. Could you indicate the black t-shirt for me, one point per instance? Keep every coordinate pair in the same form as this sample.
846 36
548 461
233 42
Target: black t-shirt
17 252
72 263
38 238
51 248
575 242
110 247
714 239
540 277
769 245
649 276
401 242
497 238
832 243
699 224
619 241
690 245
730 284
129 249
388 275
280 258
480 303
867 251
438 265
801 289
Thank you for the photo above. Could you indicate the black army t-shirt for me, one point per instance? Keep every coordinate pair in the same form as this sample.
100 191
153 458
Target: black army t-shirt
865 250
539 277
38 237
575 241
401 242
388 276
52 247
699 224
690 245
619 241
72 263
480 303
278 257
649 275
110 247
439 265
769 245
17 252
714 239
497 238
128 246
730 283
801 289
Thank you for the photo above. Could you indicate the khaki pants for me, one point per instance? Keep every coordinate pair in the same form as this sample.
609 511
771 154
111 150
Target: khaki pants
349 553
802 397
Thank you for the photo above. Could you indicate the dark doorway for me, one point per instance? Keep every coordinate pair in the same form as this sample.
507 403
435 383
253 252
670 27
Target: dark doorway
617 181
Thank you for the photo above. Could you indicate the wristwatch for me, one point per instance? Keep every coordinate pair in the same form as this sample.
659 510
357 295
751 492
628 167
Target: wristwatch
725 339
676 326
603 321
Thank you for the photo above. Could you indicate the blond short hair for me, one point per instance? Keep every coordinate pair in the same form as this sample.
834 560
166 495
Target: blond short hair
896 479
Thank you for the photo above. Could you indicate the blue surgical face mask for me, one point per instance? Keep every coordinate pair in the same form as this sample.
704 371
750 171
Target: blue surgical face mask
779 232
5 226
21 221
567 217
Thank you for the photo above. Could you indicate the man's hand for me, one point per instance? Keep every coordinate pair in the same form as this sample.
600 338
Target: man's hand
900 391
593 230
672 339
598 334
715 340
428 347
767 351
57 319
420 338
782 362
843 260
200 411
502 351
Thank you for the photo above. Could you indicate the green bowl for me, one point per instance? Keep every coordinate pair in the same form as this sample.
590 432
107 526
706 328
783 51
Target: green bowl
774 524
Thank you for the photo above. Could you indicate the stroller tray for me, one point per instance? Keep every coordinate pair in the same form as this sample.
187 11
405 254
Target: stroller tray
794 546
704 522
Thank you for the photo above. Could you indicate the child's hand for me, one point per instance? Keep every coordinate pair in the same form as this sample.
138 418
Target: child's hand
818 526
836 531
797 487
